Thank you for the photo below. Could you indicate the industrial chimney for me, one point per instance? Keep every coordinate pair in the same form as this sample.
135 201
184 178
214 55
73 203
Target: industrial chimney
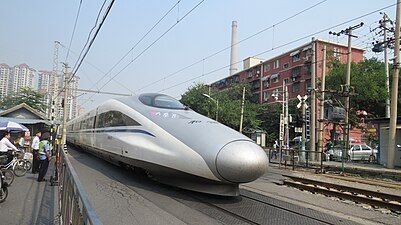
233 61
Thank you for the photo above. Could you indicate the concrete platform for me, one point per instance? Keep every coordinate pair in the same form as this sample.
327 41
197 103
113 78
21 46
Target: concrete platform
30 202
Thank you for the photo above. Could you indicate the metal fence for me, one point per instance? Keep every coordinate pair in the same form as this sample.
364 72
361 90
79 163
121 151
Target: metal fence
297 158
74 206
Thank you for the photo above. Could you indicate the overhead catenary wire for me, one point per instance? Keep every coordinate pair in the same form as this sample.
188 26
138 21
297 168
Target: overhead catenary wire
90 45
230 46
73 30
154 42
90 33
98 69
137 43
283 45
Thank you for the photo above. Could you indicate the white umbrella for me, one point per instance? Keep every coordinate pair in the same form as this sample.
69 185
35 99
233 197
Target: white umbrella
12 126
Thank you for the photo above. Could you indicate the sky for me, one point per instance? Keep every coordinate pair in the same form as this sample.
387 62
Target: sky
28 30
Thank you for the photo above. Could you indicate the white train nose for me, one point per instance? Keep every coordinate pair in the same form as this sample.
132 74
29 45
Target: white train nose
241 162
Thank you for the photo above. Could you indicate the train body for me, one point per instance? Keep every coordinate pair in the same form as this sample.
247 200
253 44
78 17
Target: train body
174 144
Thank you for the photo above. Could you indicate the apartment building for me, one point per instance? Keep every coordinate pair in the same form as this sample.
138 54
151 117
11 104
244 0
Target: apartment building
292 68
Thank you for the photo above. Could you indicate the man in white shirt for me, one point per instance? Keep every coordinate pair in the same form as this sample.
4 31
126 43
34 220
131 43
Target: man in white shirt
6 145
35 150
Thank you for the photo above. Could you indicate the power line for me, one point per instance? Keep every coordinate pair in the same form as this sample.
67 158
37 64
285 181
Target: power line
73 30
283 45
90 44
93 39
228 47
154 42
98 69
90 32
149 46
137 43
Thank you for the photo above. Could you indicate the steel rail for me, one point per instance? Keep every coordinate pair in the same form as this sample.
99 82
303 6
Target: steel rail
364 181
373 198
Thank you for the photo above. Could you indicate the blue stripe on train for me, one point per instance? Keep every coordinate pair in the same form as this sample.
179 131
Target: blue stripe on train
116 130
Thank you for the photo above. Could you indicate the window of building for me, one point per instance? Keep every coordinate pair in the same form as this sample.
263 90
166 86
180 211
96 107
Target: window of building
275 93
296 57
285 81
265 96
266 67
286 65
274 78
276 64
308 69
336 53
266 83
295 87
308 84
250 74
295 72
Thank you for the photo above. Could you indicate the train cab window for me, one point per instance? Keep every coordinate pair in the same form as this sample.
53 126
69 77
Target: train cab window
115 119
161 101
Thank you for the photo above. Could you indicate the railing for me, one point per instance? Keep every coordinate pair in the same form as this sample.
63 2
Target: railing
296 158
74 205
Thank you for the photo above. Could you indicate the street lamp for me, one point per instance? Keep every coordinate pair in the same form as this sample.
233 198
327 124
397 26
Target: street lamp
217 104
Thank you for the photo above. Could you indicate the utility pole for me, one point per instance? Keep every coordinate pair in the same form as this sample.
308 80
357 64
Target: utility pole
242 110
321 114
384 26
312 141
394 91
208 105
65 109
303 106
286 118
261 84
347 88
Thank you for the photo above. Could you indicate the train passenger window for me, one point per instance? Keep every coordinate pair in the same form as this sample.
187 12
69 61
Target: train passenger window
100 121
115 119
161 101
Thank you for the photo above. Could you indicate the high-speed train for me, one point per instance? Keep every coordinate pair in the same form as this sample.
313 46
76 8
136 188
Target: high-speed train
171 142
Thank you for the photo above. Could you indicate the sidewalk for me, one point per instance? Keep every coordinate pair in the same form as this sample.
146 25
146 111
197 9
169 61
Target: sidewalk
30 202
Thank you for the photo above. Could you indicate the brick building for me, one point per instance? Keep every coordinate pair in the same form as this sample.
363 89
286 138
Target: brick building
292 68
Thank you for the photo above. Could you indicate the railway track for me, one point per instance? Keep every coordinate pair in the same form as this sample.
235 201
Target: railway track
376 182
373 198
254 208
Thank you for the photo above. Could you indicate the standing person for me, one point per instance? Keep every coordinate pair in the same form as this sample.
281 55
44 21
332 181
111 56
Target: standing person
35 150
6 147
21 142
44 156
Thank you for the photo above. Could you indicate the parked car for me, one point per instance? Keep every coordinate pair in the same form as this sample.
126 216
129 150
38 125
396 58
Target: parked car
357 152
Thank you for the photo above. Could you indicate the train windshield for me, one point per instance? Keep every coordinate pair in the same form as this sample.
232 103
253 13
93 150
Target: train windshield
161 101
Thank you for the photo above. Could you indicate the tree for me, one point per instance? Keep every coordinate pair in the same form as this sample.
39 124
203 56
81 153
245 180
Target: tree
25 95
368 80
229 105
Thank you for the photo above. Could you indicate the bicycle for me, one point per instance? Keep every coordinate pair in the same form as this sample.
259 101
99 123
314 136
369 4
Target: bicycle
3 188
16 165
26 158
8 173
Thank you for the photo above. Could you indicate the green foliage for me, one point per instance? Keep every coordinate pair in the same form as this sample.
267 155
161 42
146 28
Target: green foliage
25 95
229 105
368 80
